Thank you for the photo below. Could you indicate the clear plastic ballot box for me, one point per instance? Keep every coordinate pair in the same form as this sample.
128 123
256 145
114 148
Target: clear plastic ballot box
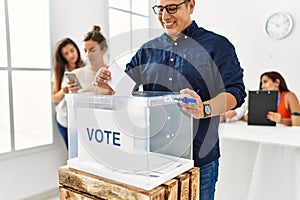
142 140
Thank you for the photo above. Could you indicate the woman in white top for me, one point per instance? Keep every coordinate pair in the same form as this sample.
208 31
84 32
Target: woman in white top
66 59
95 47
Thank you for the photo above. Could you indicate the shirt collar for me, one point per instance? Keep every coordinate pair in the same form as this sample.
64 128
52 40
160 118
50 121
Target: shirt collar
190 29
187 32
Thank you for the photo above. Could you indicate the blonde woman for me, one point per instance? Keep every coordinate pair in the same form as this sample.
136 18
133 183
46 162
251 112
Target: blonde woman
95 47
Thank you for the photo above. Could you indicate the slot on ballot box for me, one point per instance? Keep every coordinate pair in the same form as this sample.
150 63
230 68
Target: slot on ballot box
142 140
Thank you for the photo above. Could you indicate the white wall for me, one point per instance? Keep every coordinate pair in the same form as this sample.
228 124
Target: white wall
32 174
243 24
75 18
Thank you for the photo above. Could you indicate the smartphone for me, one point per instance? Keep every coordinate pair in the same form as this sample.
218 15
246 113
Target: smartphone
72 77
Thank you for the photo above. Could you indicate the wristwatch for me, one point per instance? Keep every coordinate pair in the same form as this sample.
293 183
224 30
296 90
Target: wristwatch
206 110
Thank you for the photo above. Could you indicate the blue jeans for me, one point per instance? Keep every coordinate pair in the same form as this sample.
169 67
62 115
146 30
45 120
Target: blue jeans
208 178
63 132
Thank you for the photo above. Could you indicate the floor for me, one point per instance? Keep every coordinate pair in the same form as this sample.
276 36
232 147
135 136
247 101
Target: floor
52 198
51 195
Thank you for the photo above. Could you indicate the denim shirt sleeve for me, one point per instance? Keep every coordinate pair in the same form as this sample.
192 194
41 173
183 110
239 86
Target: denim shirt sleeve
229 67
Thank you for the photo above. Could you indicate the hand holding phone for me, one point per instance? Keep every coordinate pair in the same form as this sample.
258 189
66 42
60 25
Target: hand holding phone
72 77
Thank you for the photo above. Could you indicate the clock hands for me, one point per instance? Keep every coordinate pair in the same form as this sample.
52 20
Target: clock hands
279 25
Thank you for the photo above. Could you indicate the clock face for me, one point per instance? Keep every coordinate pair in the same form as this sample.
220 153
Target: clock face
279 25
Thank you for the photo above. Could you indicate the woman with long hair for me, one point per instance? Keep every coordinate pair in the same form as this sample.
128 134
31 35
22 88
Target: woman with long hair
66 59
288 102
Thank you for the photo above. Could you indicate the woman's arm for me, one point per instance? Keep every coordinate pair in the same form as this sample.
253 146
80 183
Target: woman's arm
292 102
58 94
292 105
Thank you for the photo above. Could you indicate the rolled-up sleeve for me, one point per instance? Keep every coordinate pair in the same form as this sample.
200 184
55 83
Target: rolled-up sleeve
229 67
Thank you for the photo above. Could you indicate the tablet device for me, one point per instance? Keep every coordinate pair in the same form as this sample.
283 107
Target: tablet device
72 77
260 103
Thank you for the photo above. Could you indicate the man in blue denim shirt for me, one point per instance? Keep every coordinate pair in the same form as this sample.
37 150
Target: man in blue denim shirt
197 62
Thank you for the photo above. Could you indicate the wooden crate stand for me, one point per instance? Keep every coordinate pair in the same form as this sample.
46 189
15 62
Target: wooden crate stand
75 184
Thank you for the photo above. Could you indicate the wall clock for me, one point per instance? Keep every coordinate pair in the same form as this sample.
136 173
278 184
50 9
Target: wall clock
279 25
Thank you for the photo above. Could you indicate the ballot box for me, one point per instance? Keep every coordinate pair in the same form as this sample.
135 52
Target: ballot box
142 140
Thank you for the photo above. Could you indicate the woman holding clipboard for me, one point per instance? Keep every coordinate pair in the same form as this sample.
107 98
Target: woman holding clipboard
288 102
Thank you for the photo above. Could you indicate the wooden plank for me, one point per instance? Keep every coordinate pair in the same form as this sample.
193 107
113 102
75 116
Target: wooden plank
70 194
194 183
183 186
171 189
105 188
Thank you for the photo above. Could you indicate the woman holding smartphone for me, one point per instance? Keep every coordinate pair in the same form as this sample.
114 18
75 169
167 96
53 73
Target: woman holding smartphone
66 59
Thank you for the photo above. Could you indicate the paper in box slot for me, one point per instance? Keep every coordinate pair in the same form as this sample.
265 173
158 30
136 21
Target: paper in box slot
120 82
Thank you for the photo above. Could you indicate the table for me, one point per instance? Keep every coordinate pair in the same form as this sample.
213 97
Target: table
259 162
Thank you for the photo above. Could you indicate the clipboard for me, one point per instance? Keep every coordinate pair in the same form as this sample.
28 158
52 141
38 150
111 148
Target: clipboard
260 102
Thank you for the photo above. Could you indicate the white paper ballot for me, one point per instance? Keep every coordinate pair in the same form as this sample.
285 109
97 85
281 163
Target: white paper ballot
120 82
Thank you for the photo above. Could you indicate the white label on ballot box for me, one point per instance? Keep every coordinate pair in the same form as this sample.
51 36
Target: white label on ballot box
101 138
102 131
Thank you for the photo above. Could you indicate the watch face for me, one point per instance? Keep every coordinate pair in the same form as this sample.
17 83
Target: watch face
207 109
279 25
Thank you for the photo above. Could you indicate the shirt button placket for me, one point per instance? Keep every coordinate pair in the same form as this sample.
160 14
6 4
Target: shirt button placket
172 63
171 69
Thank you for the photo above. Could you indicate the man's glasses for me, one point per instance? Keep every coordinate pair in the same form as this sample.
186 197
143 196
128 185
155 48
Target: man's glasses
171 8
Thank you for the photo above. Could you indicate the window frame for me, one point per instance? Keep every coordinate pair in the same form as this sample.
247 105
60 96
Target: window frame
132 14
10 69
